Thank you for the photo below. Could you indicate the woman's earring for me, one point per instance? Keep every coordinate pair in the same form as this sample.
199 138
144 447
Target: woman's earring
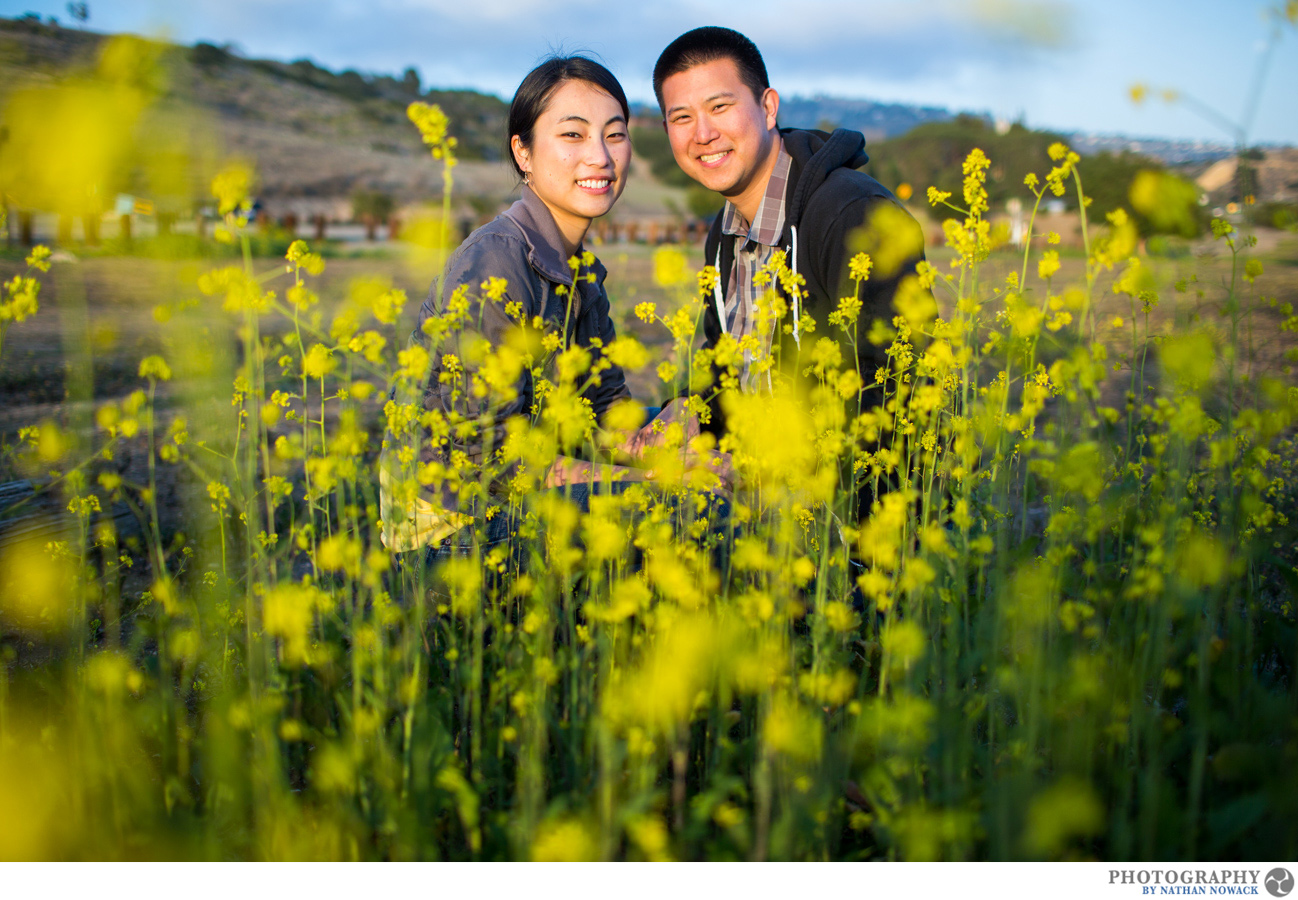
527 178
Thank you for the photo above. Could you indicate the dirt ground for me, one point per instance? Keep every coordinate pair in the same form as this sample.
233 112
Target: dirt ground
118 327
100 316
98 319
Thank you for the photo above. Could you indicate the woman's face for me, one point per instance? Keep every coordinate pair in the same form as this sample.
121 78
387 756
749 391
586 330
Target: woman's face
579 155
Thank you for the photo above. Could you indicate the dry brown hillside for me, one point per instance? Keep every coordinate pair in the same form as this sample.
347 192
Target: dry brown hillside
316 137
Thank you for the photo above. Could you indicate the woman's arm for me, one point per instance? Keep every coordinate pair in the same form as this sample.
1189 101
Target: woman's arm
482 328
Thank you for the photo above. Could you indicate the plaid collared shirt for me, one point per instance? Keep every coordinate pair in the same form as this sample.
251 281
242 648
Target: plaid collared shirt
755 243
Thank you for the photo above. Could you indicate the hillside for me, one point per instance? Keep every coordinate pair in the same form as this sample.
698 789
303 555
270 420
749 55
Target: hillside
933 153
877 121
315 137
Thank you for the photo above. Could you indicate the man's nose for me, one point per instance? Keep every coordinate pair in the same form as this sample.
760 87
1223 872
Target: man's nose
704 131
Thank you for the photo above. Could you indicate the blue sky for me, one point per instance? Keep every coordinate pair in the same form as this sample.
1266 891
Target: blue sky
1062 64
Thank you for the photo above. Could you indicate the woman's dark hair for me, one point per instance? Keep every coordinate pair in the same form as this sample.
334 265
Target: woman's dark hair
533 95
705 45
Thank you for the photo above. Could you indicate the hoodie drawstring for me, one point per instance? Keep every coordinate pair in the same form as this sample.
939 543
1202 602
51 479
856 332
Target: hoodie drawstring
797 309
719 297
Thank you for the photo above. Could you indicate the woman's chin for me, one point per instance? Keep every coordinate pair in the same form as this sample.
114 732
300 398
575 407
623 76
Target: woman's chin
612 199
581 206
594 207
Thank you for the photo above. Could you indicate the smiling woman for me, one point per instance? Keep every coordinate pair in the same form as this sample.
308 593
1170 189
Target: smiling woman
522 303
568 139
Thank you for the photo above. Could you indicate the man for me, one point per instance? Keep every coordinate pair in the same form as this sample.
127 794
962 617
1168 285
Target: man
785 189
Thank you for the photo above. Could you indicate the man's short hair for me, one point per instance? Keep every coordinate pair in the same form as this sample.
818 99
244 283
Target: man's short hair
704 45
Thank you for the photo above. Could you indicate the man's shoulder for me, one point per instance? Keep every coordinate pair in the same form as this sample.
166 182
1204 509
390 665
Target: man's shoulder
826 181
844 187
845 200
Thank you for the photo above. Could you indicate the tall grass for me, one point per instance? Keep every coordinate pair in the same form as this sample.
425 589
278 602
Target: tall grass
1063 628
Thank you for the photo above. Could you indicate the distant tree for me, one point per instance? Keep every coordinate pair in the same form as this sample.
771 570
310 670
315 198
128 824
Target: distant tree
703 203
1246 181
651 145
386 86
205 54
477 121
411 81
1275 215
80 12
1107 178
1158 201
352 85
932 154
372 208
303 68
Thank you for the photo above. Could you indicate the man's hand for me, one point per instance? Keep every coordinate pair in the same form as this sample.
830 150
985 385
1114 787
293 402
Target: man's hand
654 434
718 464
701 467
567 470
651 442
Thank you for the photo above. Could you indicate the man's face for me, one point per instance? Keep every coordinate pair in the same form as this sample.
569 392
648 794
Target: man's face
721 136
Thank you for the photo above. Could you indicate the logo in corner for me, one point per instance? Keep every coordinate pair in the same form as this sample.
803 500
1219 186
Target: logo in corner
1279 882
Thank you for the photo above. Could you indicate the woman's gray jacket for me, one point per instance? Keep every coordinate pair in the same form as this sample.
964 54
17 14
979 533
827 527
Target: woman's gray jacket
523 246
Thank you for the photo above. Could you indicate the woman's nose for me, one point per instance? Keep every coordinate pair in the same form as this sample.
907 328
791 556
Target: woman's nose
599 155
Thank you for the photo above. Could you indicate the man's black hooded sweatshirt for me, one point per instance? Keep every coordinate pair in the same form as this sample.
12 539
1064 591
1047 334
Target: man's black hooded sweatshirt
833 210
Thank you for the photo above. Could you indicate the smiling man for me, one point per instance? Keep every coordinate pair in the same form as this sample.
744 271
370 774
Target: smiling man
785 189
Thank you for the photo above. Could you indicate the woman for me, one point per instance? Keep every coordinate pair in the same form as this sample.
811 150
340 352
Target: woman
569 143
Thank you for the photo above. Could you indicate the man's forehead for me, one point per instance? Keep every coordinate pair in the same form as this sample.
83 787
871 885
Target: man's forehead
701 83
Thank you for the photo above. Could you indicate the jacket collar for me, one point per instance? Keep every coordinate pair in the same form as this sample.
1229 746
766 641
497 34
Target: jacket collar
815 155
544 243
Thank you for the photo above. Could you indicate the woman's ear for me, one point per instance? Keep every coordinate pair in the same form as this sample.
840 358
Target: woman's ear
521 156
